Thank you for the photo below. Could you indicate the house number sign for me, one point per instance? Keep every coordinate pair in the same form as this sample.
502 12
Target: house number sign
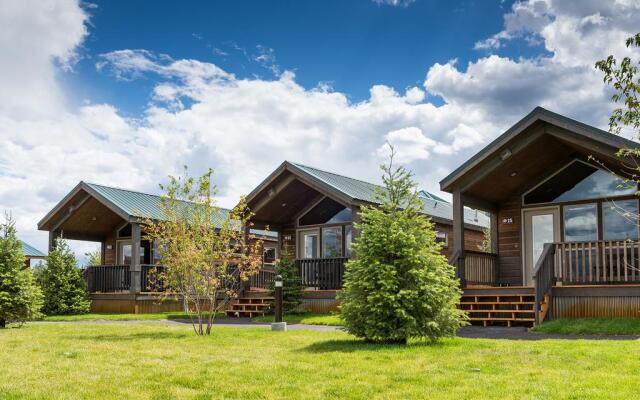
508 220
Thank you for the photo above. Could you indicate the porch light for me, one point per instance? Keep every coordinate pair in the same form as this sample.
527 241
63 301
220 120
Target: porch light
513 173
505 154
284 204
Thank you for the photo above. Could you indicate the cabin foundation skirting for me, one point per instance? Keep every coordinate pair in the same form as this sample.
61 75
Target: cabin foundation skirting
133 304
596 302
320 301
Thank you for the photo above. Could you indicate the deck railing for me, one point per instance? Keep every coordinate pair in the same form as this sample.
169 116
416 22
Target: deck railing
108 278
152 279
263 279
322 273
597 262
543 280
480 268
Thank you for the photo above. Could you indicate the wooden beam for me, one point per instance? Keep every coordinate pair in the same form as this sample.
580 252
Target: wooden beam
458 233
494 232
72 208
272 191
135 267
483 171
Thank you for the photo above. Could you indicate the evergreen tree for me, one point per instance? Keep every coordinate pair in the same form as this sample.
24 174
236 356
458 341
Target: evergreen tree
399 286
20 298
65 291
291 282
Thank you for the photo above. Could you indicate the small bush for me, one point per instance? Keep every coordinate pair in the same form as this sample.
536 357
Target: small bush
291 282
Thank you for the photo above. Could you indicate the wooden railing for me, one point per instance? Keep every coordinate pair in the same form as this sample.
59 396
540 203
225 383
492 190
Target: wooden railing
152 279
597 262
322 273
263 279
543 281
480 268
108 278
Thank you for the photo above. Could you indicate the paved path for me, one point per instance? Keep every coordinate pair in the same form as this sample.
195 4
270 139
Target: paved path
471 332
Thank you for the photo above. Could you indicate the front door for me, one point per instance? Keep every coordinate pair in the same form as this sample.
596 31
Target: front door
541 226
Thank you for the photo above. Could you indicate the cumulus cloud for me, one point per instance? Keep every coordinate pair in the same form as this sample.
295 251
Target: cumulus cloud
202 115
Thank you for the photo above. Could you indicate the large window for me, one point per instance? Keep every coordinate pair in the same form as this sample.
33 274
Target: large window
327 211
332 242
620 220
579 181
580 222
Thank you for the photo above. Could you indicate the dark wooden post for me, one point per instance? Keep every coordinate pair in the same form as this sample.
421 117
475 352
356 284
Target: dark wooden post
53 235
494 245
135 267
458 235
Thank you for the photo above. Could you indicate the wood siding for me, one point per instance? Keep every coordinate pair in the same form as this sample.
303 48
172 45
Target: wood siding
472 239
509 242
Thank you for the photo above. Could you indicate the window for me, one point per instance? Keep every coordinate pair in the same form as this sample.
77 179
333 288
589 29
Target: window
124 253
156 259
269 255
309 244
620 220
441 237
580 223
125 232
578 181
332 242
327 211
348 239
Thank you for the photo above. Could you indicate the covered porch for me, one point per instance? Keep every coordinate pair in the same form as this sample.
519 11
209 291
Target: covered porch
564 223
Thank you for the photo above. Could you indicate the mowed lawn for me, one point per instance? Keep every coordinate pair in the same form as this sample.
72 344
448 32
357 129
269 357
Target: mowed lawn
154 361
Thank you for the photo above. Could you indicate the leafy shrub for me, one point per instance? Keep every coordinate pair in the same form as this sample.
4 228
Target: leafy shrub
291 282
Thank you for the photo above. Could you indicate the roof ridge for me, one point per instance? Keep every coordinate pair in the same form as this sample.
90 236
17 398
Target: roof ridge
334 173
143 193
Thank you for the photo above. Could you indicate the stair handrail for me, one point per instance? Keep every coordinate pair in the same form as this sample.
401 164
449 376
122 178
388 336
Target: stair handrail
543 277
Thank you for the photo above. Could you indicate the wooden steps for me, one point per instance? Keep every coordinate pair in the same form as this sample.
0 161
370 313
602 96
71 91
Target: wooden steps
499 305
251 304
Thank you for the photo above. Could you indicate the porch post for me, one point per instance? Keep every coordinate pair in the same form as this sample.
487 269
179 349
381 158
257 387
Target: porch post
135 268
52 239
494 232
458 235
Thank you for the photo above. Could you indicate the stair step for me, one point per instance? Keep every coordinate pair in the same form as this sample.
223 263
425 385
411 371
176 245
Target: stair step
241 313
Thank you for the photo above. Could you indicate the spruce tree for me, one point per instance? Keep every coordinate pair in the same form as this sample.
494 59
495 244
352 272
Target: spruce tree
20 298
291 282
64 288
399 286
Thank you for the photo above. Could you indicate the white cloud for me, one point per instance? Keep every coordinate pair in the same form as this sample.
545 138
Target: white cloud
394 3
202 115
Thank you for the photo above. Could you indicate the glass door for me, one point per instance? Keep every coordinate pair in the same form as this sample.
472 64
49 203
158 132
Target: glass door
540 226
309 243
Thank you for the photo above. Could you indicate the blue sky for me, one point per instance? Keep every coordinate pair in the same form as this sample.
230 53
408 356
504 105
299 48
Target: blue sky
347 45
124 93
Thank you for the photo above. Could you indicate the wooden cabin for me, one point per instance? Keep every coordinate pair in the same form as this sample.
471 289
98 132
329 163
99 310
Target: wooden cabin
564 224
112 217
313 212
31 253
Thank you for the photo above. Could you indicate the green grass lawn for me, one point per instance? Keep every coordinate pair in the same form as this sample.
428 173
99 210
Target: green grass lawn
151 361
118 317
306 318
592 326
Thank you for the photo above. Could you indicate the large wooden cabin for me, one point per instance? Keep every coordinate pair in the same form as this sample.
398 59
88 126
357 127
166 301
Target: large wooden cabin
564 226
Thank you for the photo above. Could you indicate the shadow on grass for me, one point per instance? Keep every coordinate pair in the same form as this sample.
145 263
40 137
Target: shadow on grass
354 345
132 336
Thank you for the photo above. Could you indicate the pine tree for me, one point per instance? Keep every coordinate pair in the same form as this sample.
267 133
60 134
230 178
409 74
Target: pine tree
20 298
65 291
399 286
291 282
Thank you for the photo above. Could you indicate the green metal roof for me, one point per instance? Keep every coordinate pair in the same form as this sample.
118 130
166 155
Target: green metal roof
145 205
30 251
356 189
539 113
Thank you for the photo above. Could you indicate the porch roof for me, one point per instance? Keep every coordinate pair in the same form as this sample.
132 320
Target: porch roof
129 205
527 152
351 191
